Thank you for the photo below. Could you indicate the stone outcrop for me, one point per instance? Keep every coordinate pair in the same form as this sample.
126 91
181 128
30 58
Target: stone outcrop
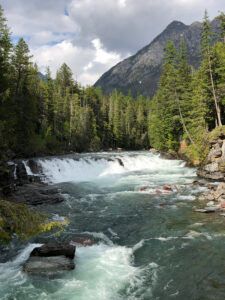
36 194
52 257
213 167
20 187
215 198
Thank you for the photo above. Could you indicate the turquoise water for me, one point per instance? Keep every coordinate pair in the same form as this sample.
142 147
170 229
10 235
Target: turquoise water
143 246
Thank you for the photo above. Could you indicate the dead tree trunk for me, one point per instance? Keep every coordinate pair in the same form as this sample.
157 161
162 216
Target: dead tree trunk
218 112
182 119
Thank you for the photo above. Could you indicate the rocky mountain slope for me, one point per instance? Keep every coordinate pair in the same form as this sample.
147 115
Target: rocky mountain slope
140 73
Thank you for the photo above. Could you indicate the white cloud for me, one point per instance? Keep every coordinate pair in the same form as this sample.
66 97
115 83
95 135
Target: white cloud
92 35
86 64
102 56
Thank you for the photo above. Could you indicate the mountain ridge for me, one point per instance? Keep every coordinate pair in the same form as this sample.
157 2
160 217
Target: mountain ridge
140 73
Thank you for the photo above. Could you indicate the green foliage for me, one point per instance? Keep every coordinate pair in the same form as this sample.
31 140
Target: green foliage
19 220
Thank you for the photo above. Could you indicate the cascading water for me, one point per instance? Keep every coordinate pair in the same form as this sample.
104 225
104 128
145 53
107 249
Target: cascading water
142 249
100 167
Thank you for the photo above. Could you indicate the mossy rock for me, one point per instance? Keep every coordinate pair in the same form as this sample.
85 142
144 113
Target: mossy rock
20 220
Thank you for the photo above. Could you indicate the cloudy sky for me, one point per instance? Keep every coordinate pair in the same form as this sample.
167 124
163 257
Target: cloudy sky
93 35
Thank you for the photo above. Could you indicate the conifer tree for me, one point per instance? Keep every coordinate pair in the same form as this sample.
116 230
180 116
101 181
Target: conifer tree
206 41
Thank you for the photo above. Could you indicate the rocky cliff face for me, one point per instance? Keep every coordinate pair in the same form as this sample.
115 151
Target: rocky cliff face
140 73
213 167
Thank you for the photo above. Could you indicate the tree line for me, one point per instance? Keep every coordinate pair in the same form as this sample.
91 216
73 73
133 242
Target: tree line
41 115
190 103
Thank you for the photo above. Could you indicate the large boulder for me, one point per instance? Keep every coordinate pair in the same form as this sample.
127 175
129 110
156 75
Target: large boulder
37 264
55 249
51 257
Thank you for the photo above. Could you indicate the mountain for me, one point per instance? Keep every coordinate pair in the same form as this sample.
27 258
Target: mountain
140 73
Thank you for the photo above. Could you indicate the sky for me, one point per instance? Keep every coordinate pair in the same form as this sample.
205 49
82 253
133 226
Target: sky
91 36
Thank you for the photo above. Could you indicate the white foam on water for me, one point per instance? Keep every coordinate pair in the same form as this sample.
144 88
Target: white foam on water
110 167
11 274
101 236
187 197
102 272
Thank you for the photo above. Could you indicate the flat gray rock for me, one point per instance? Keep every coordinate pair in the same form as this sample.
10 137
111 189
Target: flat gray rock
37 264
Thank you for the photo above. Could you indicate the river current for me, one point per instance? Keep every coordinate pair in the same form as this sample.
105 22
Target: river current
145 247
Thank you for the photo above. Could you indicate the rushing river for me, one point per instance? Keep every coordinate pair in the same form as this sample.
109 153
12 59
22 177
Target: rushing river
143 249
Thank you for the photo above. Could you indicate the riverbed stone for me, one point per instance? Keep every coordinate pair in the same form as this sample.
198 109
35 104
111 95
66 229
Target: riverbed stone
55 249
84 241
51 257
37 264
37 194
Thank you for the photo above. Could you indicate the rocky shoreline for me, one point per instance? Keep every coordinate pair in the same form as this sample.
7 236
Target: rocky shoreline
20 187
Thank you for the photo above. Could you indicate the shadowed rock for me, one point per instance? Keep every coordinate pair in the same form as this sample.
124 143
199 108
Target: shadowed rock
55 249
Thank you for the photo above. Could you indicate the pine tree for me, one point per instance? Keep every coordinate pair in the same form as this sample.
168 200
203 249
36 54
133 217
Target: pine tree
206 41
221 17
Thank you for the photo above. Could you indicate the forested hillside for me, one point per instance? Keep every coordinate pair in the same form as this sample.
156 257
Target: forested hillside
189 104
44 116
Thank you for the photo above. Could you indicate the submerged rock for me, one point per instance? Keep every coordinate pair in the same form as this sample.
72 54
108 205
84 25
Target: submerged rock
193 233
205 210
84 241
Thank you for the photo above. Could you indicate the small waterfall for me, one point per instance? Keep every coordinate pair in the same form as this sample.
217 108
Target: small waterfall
94 167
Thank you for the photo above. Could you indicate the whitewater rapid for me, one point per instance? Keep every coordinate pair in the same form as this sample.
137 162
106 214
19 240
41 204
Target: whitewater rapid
103 167
142 249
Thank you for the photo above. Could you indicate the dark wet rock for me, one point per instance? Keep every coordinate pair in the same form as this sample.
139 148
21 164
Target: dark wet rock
202 210
33 165
36 194
55 249
120 162
7 179
21 173
84 241
37 264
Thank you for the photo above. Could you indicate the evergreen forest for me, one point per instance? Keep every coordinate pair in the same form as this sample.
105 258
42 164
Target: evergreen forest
41 115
